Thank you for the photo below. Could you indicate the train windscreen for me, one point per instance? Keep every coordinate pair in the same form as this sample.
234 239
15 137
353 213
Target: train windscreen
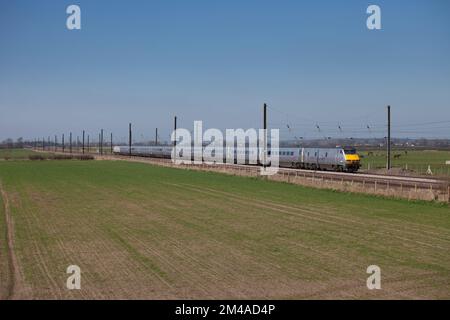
350 151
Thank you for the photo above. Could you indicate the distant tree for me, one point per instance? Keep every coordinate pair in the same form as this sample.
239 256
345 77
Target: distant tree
19 143
8 143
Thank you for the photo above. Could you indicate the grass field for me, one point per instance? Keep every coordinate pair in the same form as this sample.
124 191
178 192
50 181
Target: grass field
141 231
417 161
15 154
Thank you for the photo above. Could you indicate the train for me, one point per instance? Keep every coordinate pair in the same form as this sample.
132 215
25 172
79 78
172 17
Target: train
344 159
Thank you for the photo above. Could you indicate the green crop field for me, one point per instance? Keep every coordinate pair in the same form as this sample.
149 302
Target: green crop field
416 160
142 231
15 154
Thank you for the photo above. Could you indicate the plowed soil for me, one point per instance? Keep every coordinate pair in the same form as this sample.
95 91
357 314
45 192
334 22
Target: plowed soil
141 231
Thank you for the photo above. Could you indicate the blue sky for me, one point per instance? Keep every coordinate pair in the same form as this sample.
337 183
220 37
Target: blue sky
313 62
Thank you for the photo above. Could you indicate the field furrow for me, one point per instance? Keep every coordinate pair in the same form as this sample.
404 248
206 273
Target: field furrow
139 231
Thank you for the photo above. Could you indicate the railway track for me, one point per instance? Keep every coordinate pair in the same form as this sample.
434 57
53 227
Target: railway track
373 177
402 181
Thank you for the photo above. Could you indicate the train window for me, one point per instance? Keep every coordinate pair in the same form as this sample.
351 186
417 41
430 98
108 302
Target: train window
350 151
